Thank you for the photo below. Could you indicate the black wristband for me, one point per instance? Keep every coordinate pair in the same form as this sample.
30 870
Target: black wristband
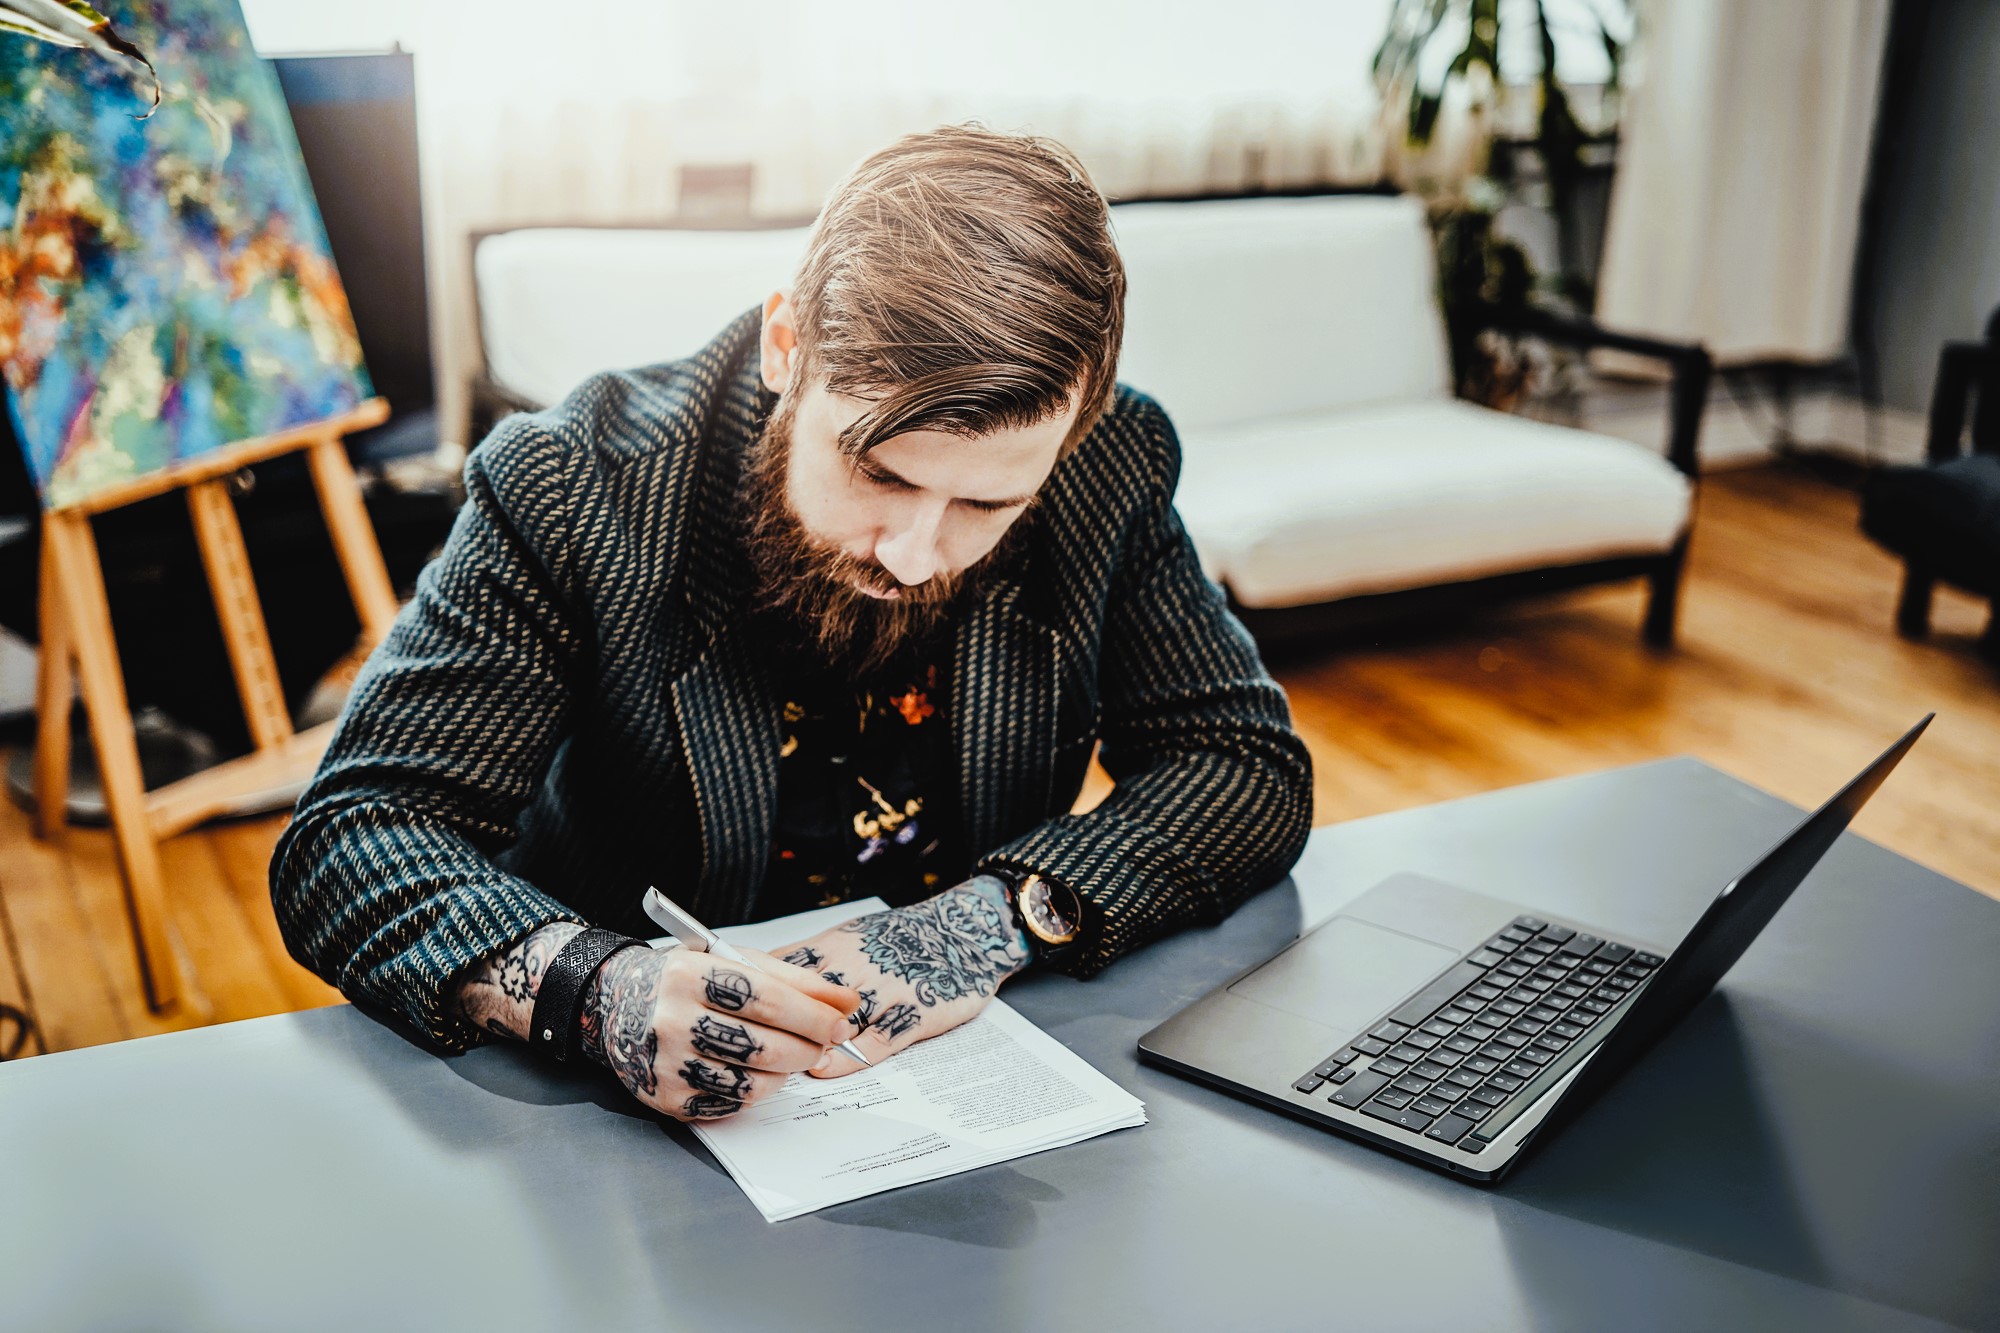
556 1024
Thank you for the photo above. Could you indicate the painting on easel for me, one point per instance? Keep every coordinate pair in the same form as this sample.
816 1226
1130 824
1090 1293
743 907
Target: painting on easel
165 282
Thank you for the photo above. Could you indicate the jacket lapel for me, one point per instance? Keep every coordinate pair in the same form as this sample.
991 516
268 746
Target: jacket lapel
723 700
1006 667
729 730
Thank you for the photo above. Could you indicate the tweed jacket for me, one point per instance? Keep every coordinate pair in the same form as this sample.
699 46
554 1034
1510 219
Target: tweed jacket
568 711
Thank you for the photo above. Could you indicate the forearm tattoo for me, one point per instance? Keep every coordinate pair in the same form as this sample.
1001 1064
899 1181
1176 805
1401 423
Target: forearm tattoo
618 1018
955 945
498 995
724 1041
726 989
728 1081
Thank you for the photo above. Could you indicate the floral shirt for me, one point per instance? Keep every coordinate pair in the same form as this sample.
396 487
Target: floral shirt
867 789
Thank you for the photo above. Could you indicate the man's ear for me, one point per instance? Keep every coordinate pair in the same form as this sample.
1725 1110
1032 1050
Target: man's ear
780 345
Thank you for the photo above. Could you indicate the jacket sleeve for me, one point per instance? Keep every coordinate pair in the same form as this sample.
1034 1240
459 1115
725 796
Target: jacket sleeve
1213 787
385 883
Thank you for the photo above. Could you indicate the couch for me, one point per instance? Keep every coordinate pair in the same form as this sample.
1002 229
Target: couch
1330 480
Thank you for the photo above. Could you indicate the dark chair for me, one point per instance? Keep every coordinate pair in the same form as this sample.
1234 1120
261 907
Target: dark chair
1943 518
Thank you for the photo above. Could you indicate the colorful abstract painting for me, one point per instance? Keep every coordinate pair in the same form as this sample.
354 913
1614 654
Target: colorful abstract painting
165 283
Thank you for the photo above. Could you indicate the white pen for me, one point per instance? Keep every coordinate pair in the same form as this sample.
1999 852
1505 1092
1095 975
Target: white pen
673 919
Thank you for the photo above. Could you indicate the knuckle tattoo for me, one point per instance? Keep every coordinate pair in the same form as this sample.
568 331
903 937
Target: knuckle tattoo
728 1081
709 1106
724 1041
897 1019
727 990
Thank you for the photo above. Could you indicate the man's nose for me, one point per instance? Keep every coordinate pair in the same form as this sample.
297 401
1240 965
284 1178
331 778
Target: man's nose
909 549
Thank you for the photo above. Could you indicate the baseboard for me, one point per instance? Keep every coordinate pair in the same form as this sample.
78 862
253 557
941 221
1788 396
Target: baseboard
1743 431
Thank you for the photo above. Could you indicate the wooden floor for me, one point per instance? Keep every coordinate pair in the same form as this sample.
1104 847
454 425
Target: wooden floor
1788 675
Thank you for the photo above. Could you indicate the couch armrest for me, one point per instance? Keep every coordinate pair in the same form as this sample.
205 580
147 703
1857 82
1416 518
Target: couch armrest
1958 366
1691 364
492 400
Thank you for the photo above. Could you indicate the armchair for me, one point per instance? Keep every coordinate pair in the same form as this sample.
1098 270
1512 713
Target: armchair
1943 518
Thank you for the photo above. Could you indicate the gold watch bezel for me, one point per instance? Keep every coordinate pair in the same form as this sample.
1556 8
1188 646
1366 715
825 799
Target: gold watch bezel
1033 897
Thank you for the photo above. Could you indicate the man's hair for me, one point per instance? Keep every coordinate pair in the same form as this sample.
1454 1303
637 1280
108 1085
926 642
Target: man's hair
964 281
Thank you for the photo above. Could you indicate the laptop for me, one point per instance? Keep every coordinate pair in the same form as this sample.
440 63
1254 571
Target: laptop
1458 1029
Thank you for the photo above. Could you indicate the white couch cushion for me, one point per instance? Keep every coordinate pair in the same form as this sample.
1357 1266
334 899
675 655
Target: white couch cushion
1237 309
1246 309
559 304
1288 513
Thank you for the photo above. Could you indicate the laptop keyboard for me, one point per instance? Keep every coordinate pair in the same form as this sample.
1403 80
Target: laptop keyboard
1454 1055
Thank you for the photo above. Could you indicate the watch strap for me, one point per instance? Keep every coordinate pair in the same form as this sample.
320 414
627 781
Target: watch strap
556 1025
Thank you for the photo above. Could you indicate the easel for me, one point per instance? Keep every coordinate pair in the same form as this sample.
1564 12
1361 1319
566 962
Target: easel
76 633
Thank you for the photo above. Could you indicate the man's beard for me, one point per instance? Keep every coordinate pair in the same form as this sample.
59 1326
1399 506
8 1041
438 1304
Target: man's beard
805 587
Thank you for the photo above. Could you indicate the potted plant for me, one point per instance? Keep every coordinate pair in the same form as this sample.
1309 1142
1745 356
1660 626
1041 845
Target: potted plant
1444 108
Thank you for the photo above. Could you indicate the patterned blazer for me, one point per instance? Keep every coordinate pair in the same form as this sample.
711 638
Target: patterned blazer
566 711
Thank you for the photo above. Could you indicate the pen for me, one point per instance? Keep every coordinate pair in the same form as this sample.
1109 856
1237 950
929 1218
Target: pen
674 919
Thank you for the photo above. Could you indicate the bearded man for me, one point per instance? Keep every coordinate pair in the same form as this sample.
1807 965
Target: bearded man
839 606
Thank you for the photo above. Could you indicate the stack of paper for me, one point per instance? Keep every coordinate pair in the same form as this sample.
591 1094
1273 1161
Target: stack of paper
990 1090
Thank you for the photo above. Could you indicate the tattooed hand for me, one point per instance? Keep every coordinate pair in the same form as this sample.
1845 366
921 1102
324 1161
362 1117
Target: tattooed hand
698 1038
692 1036
919 970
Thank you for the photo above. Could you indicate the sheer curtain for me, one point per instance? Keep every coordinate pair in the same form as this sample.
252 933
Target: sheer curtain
537 113
1737 205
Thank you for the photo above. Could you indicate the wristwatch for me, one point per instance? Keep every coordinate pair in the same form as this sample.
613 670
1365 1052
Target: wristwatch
1049 913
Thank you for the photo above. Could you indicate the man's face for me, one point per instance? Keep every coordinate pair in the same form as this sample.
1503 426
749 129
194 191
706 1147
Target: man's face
869 550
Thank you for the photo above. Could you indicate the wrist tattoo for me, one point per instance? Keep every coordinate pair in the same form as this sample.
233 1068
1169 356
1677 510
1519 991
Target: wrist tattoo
955 945
727 990
724 1041
728 1081
498 995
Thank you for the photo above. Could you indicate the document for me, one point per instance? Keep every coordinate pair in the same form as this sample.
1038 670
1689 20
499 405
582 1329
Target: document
988 1091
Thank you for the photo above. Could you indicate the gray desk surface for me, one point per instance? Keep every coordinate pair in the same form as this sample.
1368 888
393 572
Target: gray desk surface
1815 1147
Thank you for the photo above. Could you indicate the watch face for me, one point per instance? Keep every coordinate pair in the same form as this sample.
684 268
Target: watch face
1038 909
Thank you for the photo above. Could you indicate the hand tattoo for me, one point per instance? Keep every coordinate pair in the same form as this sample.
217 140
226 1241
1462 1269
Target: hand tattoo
955 945
618 1018
861 1016
728 1081
837 978
724 1041
803 957
898 1019
727 990
709 1106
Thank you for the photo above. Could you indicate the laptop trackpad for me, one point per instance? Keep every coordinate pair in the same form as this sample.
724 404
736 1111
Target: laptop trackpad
1345 974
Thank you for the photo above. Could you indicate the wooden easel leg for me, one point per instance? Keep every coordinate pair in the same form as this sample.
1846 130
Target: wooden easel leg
231 584
79 582
353 537
53 697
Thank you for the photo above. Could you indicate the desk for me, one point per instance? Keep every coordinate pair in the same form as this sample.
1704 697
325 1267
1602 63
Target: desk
1817 1146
